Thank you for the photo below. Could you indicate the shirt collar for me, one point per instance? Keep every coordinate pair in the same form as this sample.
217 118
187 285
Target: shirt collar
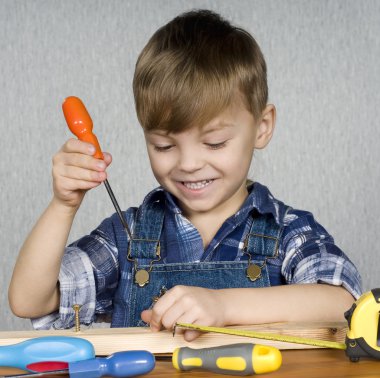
259 198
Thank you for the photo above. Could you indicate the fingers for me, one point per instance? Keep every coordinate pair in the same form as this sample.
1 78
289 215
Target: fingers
76 145
81 149
185 304
165 310
107 158
76 170
75 161
79 168
189 335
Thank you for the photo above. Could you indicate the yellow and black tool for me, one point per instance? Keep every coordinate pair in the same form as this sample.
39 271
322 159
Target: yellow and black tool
363 336
234 359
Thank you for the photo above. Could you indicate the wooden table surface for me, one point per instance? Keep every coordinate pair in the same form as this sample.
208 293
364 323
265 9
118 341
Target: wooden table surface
307 363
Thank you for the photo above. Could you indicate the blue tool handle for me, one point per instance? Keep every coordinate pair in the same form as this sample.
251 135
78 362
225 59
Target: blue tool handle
47 348
119 364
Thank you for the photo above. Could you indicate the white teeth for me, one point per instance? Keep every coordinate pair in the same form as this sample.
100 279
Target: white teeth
197 185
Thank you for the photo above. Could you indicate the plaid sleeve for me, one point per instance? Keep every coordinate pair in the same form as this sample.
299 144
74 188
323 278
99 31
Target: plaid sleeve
311 256
77 286
88 276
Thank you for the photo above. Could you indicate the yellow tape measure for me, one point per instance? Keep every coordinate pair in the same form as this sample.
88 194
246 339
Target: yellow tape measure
265 336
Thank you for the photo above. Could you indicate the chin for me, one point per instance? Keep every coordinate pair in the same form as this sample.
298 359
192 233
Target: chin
197 206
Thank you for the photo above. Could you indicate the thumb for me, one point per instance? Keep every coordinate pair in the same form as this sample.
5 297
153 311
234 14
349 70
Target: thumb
191 334
146 316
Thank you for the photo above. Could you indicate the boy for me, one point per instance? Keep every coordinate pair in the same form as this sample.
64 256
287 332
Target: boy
222 249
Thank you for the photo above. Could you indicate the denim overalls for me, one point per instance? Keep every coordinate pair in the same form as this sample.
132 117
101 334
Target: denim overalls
261 244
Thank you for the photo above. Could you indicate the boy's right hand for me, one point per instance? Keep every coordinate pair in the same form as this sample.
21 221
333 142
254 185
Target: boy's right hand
75 171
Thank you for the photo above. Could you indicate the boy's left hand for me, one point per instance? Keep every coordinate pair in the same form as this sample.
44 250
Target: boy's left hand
186 304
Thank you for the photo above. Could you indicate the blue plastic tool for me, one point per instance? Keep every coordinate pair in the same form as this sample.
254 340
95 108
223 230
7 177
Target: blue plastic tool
119 364
48 348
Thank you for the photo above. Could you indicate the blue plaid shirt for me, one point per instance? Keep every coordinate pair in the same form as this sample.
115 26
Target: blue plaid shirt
307 254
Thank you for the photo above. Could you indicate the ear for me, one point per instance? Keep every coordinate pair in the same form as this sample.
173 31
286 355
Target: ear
265 127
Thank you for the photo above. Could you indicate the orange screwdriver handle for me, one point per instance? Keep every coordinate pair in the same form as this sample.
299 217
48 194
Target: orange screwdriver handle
80 122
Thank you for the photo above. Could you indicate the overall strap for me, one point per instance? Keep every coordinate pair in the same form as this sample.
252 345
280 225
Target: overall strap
147 228
264 235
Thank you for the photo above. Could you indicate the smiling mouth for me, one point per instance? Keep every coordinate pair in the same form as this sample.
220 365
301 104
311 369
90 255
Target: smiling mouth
196 185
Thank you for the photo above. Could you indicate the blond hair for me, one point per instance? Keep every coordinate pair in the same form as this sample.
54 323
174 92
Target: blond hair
192 68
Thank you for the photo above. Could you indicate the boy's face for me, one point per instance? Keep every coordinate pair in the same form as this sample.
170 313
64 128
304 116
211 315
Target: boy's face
206 167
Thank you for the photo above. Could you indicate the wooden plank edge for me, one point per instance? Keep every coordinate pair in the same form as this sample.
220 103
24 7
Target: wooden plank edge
110 340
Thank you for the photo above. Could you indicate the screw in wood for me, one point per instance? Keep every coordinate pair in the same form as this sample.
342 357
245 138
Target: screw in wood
77 308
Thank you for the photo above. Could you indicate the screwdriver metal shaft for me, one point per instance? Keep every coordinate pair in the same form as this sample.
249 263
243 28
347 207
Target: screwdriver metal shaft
117 208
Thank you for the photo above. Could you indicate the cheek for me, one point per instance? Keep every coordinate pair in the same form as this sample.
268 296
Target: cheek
156 167
159 164
153 161
239 157
238 164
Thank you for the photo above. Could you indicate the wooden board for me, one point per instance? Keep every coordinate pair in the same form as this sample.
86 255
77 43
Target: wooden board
110 340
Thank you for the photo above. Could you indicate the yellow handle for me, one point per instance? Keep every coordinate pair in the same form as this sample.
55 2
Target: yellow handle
234 359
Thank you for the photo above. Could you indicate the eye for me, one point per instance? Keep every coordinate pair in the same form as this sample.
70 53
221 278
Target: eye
216 146
162 148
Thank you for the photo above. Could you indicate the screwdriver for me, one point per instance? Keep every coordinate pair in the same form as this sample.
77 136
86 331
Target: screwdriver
233 359
47 348
119 364
80 124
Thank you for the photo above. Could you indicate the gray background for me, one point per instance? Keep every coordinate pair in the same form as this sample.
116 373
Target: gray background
323 62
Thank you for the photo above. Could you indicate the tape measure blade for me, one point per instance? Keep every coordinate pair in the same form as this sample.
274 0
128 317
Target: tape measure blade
265 336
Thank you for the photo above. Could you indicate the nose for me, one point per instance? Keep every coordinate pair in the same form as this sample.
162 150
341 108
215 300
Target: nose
189 160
